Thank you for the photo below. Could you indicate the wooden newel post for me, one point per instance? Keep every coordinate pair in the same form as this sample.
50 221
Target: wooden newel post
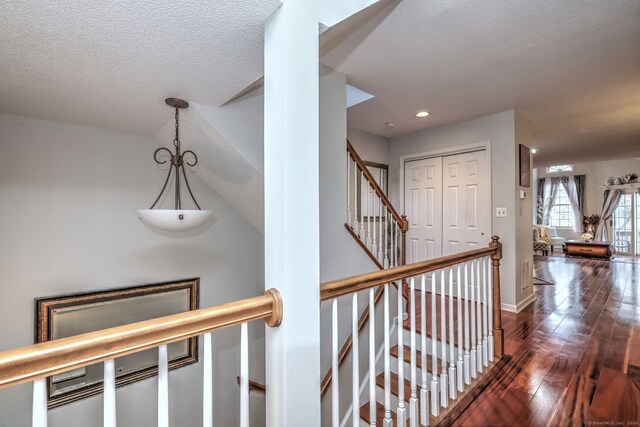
498 332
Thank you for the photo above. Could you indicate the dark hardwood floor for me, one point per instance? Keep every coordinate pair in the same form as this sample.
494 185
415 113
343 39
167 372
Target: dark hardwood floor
576 351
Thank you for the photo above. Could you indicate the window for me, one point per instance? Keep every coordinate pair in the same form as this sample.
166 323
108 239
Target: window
560 168
561 214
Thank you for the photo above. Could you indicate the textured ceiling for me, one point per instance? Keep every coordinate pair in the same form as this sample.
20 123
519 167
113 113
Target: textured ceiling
110 64
573 68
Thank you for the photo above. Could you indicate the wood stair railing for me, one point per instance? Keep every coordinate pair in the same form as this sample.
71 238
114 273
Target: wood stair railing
352 228
35 363
453 370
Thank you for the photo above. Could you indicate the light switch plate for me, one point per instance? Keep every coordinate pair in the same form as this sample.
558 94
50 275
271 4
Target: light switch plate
501 212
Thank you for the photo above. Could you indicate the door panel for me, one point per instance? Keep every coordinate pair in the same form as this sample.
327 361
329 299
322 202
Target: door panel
465 202
423 205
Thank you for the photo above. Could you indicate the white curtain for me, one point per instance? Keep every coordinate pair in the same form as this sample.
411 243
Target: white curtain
569 184
550 192
611 199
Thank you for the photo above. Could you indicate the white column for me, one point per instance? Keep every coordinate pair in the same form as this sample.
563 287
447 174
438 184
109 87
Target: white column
291 182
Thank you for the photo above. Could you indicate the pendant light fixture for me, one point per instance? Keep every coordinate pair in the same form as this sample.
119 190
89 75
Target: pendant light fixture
176 219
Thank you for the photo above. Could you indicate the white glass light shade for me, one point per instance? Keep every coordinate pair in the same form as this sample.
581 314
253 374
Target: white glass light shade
173 219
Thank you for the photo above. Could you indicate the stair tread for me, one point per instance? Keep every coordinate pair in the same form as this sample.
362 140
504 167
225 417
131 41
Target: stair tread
407 357
407 322
394 384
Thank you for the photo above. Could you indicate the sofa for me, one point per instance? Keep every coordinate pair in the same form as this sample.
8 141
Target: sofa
550 236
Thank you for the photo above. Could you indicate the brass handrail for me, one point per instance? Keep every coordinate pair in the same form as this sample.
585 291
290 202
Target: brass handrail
42 360
336 288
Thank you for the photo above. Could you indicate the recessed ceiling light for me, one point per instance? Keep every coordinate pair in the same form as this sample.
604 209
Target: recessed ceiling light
534 150
422 114
390 124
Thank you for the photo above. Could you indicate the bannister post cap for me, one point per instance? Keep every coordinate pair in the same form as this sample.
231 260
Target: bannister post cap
276 311
495 243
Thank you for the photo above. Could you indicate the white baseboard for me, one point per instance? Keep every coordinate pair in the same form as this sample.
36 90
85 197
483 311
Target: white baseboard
521 306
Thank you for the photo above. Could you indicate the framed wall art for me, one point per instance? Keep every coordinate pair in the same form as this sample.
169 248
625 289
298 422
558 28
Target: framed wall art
68 315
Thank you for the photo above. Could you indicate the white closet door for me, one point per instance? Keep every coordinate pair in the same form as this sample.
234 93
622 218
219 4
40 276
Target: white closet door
423 207
465 202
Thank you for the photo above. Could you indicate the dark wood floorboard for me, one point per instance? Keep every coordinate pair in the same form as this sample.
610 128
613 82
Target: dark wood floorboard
576 351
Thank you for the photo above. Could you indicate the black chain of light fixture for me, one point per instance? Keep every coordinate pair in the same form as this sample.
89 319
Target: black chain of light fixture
177 160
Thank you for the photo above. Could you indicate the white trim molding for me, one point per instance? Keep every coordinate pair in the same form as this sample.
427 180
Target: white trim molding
521 305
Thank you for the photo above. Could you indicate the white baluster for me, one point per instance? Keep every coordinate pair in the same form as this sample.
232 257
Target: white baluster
490 306
361 207
368 187
444 394
402 410
244 376
355 384
355 198
386 241
335 380
413 400
39 403
424 394
474 359
467 354
374 244
163 387
380 253
460 364
485 341
207 382
435 384
479 317
349 189
388 421
452 354
395 239
390 239
372 358
109 397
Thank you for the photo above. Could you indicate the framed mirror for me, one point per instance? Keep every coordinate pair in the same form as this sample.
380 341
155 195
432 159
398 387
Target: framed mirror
68 315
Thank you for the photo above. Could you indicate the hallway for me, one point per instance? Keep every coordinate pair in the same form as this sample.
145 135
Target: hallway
576 350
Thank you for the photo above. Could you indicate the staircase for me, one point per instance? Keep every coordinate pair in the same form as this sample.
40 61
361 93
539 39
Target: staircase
444 353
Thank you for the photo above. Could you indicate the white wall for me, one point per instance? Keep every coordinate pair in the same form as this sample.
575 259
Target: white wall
370 147
503 130
68 199
595 175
